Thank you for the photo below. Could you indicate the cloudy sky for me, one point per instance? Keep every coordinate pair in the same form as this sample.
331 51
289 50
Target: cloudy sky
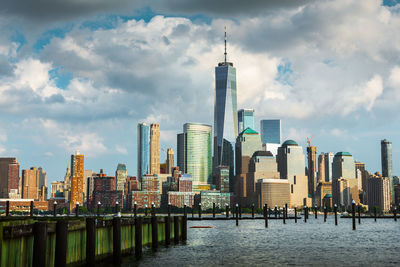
80 74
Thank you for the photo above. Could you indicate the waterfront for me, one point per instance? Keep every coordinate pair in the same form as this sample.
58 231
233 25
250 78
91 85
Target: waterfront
312 243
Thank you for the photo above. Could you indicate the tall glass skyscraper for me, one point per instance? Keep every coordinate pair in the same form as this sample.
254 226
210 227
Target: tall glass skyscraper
143 149
270 131
386 158
245 119
225 115
194 147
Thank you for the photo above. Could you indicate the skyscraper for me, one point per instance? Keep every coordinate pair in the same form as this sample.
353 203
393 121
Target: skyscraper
312 169
245 119
386 158
9 176
77 174
180 149
154 148
270 131
328 166
30 182
120 177
225 114
197 153
170 160
271 134
143 149
321 168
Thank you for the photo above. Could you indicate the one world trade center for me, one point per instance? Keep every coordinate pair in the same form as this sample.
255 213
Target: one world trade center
225 116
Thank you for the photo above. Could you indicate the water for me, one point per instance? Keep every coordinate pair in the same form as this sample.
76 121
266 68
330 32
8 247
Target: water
312 243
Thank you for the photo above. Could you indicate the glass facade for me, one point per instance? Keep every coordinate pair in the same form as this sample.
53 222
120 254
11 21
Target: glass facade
328 166
225 112
197 151
343 166
386 158
291 161
143 149
270 131
245 119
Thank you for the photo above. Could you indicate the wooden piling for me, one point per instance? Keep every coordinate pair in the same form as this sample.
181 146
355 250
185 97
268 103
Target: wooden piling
167 231
359 214
7 208
394 214
266 215
39 244
335 211
316 212
54 208
286 211
98 208
227 210
135 209
31 209
184 210
200 210
184 229
213 209
295 214
325 213
305 214
154 229
252 211
90 241
237 215
276 211
353 214
176 229
60 258
240 211
117 240
375 213
138 238
284 216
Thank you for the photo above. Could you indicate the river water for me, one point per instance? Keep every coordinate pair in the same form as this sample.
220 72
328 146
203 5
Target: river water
313 243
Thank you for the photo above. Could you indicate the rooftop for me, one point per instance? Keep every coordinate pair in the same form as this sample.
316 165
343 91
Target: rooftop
343 154
290 143
248 130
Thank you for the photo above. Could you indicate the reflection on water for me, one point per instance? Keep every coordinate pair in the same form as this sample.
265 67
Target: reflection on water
311 243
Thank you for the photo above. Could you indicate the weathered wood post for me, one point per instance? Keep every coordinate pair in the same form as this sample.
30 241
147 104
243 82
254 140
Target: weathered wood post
375 213
168 230
266 215
335 211
305 214
213 209
77 209
184 228
240 211
394 214
184 210
55 208
98 208
237 214
276 211
117 240
7 208
154 228
252 210
316 212
117 212
169 209
138 237
325 213
353 214
60 258
295 214
31 209
176 229
193 211
200 210
90 241
286 211
284 216
145 210
135 209
359 214
227 210
39 244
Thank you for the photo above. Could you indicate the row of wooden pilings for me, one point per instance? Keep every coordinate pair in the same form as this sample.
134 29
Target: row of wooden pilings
40 237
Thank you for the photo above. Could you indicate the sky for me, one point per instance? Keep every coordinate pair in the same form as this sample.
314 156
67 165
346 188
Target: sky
80 74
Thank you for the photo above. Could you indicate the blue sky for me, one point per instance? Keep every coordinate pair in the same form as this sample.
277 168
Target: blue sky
81 75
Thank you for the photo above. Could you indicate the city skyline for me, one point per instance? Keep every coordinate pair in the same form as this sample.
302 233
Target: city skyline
48 63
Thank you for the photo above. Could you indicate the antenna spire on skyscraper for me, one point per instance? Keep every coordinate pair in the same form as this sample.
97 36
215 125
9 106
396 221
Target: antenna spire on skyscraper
225 45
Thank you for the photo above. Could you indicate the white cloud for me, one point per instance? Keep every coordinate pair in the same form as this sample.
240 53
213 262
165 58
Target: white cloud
121 150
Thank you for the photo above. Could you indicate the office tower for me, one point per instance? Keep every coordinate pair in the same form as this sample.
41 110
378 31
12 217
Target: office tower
324 194
222 181
379 192
86 177
42 177
143 149
245 119
270 131
328 166
247 143
104 192
196 151
30 182
321 168
9 176
120 177
386 159
291 166
225 116
312 169
56 187
154 148
77 174
170 160
67 178
180 141
360 166
344 183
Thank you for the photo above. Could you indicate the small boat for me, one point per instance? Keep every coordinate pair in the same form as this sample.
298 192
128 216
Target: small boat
201 227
